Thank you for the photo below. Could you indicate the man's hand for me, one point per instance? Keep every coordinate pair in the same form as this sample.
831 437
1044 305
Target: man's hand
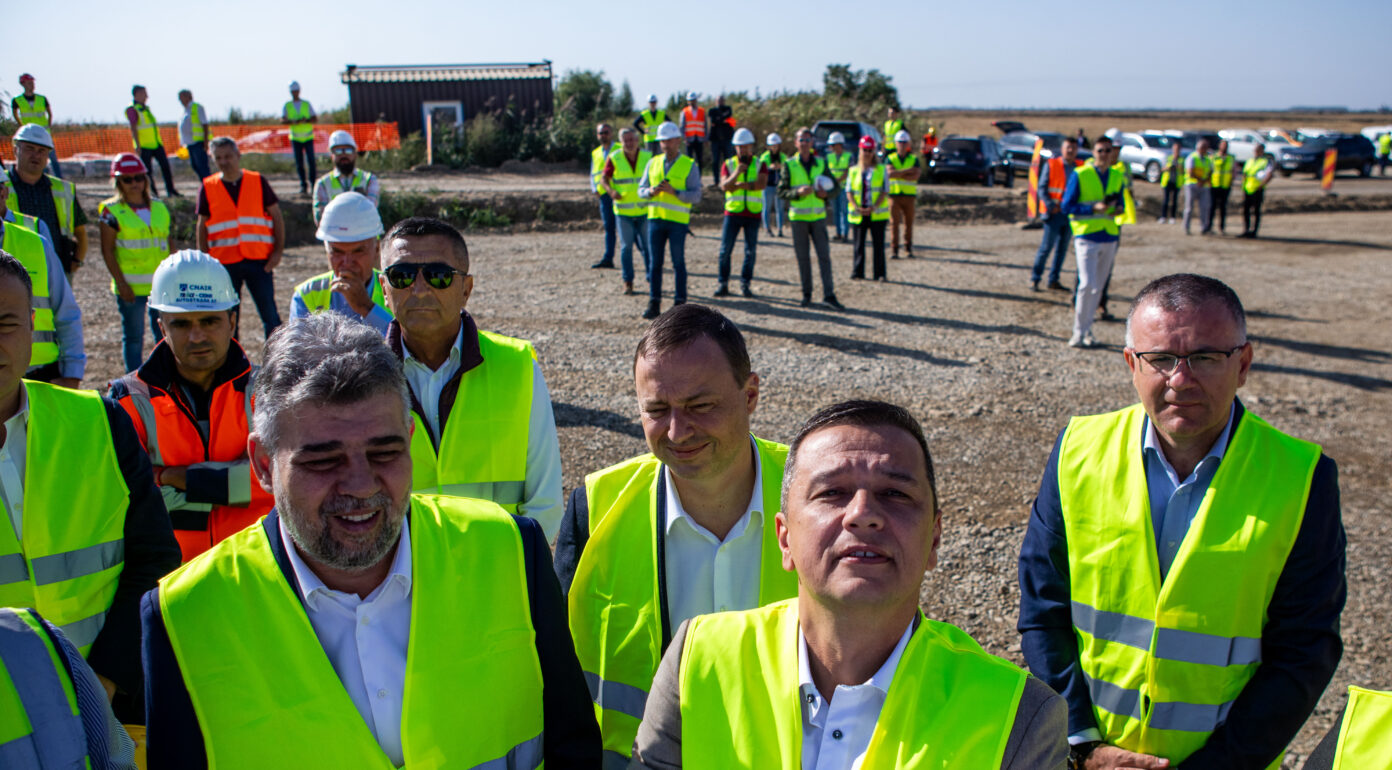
174 476
107 685
123 289
665 187
803 190
71 383
355 292
273 261
1108 757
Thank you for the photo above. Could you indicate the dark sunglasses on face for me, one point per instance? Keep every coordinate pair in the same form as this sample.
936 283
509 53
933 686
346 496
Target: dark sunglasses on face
437 274
130 179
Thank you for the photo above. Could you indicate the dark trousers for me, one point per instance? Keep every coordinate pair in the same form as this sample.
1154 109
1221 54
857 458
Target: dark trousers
720 152
158 154
730 230
260 285
58 171
305 150
1220 206
1251 211
611 228
1057 236
807 237
198 159
1169 205
662 232
876 230
696 149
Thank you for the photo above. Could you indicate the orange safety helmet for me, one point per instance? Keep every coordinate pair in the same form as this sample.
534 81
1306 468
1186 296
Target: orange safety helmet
128 164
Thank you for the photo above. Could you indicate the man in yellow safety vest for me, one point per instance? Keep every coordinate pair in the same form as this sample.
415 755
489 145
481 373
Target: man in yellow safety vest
648 121
599 157
49 199
299 115
30 107
145 136
345 176
194 132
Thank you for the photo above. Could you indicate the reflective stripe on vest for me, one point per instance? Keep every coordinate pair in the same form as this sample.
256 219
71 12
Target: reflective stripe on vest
950 705
615 614
484 450
473 693
839 164
317 292
1058 179
1164 661
651 120
241 230
358 182
198 127
27 247
35 112
139 247
1365 737
855 182
625 183
744 201
146 129
1174 171
694 122
1222 171
903 186
1090 191
808 208
1201 170
73 545
666 206
64 199
1251 173
301 130
40 724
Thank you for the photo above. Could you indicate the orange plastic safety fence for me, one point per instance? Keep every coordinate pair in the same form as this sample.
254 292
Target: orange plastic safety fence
106 142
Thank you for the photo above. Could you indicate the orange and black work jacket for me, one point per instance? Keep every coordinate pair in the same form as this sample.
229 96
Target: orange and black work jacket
242 229
179 425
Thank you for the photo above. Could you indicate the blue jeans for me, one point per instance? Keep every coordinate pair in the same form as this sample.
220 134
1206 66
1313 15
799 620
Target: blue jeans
729 231
260 285
840 211
1057 234
198 159
660 233
303 151
773 209
133 315
53 161
606 213
633 231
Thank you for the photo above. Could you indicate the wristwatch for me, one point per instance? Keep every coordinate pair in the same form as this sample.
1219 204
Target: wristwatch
1078 754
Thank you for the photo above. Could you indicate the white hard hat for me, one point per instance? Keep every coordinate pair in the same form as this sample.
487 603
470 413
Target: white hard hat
826 183
349 217
691 95
294 85
34 134
652 97
668 130
340 138
836 138
773 139
743 136
903 136
191 282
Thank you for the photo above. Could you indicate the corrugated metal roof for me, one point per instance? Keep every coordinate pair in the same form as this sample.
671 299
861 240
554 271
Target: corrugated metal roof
415 73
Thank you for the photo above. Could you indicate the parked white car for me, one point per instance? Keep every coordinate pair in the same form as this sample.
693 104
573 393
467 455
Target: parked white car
1145 153
1373 132
1242 142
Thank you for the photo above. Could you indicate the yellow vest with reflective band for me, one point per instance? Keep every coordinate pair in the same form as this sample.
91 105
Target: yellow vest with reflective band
483 453
36 692
64 199
1222 172
1164 660
198 127
855 182
35 111
808 208
27 247
597 158
357 182
651 120
1365 737
1385 143
301 130
666 206
949 705
146 129
615 612
892 127
839 164
1192 174
1174 171
744 201
1251 172
900 186
139 247
1128 211
473 694
1090 191
73 549
625 183
317 292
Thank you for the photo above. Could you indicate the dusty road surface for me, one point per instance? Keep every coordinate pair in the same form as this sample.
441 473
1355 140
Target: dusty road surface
958 338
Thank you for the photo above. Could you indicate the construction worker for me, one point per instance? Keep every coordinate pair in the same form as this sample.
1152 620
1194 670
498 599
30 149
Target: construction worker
85 532
775 210
695 128
722 131
930 141
1360 737
1221 185
849 672
598 158
358 624
1142 514
839 160
57 355
671 185
1384 146
145 136
52 200
805 186
190 402
684 530
483 421
299 116
903 167
134 240
193 134
1093 197
893 125
1256 175
1171 180
648 122
346 176
1198 179
619 181
30 107
350 230
240 225
1125 216
1053 179
743 181
867 196
57 714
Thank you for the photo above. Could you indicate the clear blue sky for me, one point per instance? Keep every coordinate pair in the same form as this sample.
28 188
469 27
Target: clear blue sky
1270 55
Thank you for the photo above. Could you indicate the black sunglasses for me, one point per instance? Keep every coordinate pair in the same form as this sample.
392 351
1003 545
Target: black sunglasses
130 179
437 274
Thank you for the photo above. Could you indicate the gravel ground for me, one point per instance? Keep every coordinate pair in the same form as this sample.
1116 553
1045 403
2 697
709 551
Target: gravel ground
959 339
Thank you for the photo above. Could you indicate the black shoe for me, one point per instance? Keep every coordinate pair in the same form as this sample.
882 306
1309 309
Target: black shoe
806 300
882 278
175 194
678 302
603 263
1034 285
654 310
894 256
722 291
855 277
831 300
746 291
1057 286
1106 316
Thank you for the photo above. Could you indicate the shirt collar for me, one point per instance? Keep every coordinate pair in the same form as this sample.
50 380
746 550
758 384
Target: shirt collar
451 362
1151 444
880 680
21 415
675 511
313 588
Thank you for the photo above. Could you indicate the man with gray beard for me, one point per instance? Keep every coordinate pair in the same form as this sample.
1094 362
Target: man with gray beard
291 643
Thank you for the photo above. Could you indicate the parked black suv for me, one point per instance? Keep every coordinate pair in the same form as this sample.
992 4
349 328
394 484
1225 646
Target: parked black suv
1355 152
1017 145
977 158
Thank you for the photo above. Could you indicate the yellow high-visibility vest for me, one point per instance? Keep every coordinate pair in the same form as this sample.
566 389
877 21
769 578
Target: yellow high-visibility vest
139 247
146 129
625 183
744 201
27 247
808 208
1365 737
902 186
35 111
666 206
299 112
855 182
1090 191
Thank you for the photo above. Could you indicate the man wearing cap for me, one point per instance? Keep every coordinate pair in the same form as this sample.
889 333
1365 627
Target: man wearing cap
599 158
345 176
804 186
145 135
349 229
671 185
193 134
839 161
648 121
134 240
190 402
722 130
695 128
30 107
743 180
51 200
622 170
903 192
300 117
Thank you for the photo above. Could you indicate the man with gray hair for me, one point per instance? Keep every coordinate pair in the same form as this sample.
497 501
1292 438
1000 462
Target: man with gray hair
354 571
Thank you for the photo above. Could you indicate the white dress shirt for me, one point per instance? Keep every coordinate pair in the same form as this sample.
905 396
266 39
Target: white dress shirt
12 456
704 573
365 639
836 733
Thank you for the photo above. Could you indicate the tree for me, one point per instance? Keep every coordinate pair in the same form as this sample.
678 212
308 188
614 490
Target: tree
623 103
585 93
859 86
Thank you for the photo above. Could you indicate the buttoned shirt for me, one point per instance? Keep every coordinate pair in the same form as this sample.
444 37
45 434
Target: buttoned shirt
836 733
429 383
12 457
1173 503
365 639
704 573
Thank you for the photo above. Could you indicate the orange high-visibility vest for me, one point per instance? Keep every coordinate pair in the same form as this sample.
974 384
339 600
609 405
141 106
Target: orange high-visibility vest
1058 179
241 230
695 121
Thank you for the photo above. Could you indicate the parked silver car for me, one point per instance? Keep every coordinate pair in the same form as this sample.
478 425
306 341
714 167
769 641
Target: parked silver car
1145 153
1242 142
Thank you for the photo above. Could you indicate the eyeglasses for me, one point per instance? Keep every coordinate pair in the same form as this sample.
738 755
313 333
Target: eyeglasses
1200 363
343 150
130 179
437 274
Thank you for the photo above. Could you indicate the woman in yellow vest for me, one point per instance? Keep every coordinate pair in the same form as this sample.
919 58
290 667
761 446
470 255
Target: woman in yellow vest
134 238
867 193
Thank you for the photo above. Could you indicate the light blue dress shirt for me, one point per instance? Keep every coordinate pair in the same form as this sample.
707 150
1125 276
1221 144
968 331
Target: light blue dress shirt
1174 502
